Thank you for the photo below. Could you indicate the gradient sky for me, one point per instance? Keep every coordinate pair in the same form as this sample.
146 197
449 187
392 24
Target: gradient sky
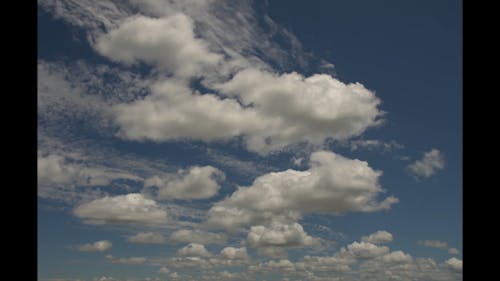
249 140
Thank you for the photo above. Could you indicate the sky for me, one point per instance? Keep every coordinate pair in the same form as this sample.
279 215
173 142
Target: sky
249 140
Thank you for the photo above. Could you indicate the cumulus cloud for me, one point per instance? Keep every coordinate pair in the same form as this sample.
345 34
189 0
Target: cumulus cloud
147 238
432 162
233 253
277 111
194 183
306 109
129 208
333 185
197 236
366 250
129 260
98 246
168 43
379 237
275 239
454 264
194 250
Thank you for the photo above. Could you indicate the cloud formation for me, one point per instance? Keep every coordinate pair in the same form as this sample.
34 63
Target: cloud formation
332 185
275 239
147 238
194 250
98 246
438 245
197 236
432 162
194 183
379 237
129 260
129 208
168 43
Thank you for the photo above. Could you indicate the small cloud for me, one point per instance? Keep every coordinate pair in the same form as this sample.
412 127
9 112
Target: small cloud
130 260
147 238
432 162
438 245
98 246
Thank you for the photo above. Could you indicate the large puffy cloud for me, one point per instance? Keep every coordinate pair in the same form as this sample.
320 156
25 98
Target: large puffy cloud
173 112
379 237
194 250
98 246
195 183
147 238
197 236
432 162
308 109
333 184
276 111
129 208
167 42
273 240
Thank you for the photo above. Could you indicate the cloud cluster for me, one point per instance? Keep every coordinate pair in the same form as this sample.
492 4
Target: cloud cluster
432 162
194 183
129 208
332 185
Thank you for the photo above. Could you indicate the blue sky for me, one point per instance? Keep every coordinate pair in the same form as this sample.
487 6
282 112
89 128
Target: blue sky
242 140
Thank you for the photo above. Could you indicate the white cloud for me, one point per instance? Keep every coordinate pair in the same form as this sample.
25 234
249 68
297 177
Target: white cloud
396 257
98 246
130 208
304 109
454 264
333 184
168 43
453 251
379 237
197 236
129 260
194 250
147 238
432 162
275 239
366 250
194 183
232 253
